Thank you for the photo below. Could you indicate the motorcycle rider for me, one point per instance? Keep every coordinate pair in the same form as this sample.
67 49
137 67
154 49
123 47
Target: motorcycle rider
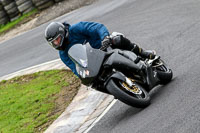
62 36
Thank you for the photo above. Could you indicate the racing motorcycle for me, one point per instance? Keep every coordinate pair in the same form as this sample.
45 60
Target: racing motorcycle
123 74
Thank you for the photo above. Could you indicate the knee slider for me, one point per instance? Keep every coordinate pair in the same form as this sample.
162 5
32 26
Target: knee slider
116 41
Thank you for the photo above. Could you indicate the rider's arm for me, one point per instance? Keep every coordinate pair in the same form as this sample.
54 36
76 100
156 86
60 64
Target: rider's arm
93 29
68 62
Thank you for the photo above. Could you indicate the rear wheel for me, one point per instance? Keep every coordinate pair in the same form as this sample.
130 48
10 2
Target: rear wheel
135 95
164 73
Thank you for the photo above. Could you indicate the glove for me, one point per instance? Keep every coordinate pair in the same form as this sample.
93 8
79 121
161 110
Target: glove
105 43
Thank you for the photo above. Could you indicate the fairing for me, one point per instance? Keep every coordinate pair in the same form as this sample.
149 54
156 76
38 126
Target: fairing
88 61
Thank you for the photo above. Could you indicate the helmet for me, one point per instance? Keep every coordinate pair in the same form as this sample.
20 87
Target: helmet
55 34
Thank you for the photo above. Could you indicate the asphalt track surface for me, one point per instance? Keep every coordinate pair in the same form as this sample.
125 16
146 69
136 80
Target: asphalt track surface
171 27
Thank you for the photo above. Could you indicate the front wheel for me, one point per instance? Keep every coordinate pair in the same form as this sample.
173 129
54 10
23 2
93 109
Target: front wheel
135 96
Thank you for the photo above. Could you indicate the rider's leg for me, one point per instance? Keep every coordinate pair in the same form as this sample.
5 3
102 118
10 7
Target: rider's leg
121 42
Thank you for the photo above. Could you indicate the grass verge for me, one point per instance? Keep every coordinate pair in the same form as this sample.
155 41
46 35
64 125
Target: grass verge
24 17
32 102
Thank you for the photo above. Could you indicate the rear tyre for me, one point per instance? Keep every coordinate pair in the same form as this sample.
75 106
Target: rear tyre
129 95
164 73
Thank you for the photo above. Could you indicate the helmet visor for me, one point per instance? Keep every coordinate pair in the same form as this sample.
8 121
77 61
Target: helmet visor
57 42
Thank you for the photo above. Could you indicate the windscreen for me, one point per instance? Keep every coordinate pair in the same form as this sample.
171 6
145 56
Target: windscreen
78 55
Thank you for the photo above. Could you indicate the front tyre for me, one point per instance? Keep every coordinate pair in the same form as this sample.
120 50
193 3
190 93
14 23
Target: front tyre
135 96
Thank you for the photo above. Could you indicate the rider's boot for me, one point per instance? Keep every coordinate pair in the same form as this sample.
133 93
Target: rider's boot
150 54
124 43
